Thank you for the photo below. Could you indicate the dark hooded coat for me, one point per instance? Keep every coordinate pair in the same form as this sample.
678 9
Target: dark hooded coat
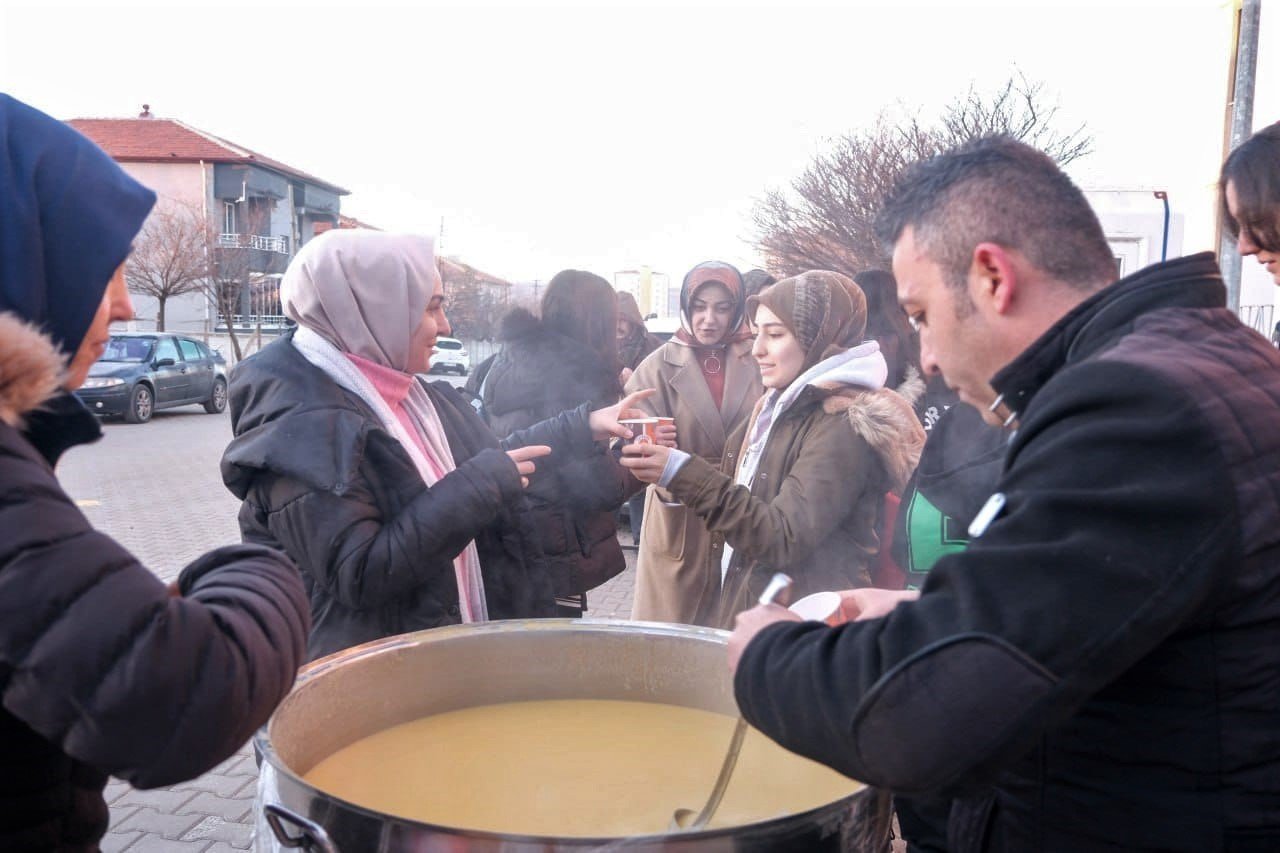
322 480
639 342
101 670
538 374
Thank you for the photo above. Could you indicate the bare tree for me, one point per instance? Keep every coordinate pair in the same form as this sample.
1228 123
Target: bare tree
475 301
825 219
169 257
232 260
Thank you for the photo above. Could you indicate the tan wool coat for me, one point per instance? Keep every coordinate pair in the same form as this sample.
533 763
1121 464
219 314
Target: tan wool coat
674 579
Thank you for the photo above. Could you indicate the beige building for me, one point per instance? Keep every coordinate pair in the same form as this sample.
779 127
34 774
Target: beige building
257 212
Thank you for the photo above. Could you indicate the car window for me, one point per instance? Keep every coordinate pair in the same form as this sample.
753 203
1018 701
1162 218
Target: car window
166 349
445 343
128 349
204 350
190 350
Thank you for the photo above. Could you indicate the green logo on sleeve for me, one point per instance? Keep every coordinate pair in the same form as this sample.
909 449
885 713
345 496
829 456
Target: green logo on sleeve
931 535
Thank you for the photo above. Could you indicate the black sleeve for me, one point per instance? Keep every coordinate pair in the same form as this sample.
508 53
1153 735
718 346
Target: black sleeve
476 379
567 434
103 662
1118 524
365 560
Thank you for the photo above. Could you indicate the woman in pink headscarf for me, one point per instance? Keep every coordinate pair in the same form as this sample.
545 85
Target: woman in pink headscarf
401 508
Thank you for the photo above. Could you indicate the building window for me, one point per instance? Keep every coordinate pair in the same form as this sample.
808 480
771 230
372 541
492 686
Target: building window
228 217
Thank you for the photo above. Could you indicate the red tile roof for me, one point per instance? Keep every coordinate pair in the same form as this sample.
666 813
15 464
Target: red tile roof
452 267
166 140
345 221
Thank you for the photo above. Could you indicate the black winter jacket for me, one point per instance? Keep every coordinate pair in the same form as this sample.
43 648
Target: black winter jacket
1108 651
538 374
322 480
101 671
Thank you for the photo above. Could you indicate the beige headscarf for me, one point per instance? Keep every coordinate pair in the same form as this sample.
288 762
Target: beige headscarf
363 291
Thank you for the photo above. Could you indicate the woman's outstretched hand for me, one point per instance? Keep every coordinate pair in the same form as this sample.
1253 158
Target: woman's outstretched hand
604 422
524 456
645 461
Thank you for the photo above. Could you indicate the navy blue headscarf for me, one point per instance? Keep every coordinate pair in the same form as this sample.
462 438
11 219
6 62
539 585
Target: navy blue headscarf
68 215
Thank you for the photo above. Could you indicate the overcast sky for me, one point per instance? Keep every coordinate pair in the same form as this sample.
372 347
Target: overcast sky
606 135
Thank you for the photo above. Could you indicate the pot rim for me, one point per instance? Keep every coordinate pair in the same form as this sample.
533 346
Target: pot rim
317 668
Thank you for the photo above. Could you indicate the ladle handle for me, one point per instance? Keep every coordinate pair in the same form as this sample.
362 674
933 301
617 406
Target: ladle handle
779 587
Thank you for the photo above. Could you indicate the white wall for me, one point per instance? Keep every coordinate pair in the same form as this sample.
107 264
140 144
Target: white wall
1133 221
191 185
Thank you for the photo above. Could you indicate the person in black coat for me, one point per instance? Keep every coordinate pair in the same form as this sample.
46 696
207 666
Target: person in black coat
548 365
103 671
399 505
1099 669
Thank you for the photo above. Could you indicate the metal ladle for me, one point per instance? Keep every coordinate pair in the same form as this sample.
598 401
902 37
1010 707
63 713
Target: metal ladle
684 819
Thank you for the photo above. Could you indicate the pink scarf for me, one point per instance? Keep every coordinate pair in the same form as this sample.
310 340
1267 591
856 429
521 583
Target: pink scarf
394 386
412 420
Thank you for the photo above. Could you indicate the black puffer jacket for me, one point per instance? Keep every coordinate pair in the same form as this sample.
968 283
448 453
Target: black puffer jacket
323 481
1107 652
101 671
538 374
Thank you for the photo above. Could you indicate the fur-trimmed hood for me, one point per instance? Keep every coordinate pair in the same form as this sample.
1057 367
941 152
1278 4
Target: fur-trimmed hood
31 369
849 382
886 420
518 323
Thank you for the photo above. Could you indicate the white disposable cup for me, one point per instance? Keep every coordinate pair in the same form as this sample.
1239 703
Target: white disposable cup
818 607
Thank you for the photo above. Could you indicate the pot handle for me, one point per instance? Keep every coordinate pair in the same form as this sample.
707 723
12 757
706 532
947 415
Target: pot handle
311 838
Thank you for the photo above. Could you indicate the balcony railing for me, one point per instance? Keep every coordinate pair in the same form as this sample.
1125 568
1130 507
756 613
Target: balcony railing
268 322
1258 317
254 241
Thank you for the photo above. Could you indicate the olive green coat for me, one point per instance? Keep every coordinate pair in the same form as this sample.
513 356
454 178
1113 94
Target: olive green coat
815 504
675 581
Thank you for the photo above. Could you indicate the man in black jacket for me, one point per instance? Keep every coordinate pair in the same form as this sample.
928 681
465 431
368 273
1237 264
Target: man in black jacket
1105 654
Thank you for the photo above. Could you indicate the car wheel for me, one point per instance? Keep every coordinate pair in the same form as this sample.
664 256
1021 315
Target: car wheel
217 402
141 405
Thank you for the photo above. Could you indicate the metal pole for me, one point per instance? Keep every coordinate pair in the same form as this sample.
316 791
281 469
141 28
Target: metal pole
1164 245
1245 62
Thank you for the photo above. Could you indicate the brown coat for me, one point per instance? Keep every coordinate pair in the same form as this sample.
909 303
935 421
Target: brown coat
674 580
814 506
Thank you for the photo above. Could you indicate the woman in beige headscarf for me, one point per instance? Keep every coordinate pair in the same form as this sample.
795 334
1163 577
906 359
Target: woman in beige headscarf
400 507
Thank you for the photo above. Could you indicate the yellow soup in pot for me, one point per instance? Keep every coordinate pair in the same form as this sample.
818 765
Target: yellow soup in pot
574 767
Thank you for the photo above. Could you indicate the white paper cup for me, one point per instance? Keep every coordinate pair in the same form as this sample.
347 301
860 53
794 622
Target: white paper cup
818 607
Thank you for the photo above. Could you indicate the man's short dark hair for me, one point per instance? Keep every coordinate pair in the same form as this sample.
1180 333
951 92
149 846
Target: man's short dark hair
998 190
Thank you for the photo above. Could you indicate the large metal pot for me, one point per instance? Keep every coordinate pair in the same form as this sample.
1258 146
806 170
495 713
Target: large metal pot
366 689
